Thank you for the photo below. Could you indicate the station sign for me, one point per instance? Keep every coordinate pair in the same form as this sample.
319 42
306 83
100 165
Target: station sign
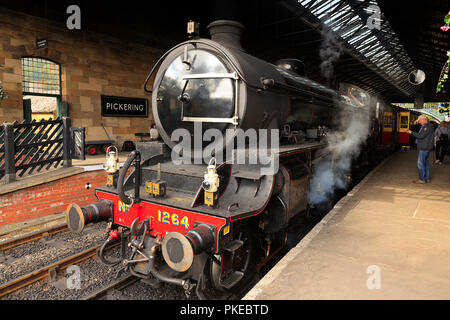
124 107
41 43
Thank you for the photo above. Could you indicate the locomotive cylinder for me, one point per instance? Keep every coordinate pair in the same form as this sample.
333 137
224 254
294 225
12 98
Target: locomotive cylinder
78 217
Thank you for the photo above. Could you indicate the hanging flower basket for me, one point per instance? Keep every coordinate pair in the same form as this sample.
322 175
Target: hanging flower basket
446 27
444 74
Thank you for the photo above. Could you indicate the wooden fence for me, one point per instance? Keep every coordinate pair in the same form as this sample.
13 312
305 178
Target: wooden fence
30 147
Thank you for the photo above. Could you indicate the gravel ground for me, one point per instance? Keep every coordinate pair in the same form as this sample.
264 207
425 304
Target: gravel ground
95 275
27 258
143 291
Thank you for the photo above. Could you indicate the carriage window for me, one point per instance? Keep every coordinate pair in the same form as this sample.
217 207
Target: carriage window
388 121
41 76
404 122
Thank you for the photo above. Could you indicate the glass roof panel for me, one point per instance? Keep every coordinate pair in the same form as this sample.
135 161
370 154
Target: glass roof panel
382 50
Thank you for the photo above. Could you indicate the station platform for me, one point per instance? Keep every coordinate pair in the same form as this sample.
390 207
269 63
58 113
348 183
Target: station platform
387 239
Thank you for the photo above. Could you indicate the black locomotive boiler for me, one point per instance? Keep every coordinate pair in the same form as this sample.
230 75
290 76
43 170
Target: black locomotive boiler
204 226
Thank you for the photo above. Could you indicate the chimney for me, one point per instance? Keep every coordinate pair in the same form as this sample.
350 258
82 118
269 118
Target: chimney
227 32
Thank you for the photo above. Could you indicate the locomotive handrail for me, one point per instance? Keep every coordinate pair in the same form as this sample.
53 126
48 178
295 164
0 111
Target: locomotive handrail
233 120
271 83
211 76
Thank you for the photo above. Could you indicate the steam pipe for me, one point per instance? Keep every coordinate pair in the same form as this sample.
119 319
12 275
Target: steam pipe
102 257
156 273
135 155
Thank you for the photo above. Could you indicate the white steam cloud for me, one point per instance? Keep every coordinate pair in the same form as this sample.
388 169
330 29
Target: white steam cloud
344 146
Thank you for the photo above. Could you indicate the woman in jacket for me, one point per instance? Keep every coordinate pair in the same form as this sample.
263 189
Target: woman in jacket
441 142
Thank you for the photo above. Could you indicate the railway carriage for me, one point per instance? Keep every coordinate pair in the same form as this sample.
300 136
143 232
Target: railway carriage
396 123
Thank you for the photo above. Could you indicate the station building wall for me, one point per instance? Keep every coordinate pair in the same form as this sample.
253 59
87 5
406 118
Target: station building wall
92 65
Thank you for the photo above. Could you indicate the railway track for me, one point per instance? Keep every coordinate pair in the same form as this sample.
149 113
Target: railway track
50 271
117 285
35 236
129 280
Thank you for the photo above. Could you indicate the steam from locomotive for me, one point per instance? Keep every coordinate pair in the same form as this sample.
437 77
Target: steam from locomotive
344 145
330 52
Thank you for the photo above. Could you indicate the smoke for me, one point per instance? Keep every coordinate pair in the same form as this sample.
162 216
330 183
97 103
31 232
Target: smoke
344 145
330 52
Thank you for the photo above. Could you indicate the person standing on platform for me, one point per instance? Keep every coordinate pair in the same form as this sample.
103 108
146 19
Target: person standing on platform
441 136
425 143
154 134
415 127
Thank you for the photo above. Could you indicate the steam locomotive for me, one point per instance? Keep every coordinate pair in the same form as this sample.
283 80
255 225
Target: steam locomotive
209 224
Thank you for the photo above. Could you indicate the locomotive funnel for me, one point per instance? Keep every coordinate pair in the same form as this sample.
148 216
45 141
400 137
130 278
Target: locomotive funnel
78 217
227 33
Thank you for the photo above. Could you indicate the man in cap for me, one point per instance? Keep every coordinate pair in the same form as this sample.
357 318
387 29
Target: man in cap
425 142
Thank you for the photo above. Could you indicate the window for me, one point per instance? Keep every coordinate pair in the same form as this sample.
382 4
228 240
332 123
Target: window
41 77
404 122
388 120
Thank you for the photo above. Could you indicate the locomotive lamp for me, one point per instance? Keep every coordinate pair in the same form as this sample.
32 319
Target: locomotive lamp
112 167
193 29
211 184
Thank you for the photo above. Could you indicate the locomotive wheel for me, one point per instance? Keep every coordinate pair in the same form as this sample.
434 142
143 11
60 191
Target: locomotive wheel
235 266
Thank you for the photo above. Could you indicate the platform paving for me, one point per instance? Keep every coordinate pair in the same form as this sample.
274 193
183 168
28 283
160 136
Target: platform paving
387 239
98 159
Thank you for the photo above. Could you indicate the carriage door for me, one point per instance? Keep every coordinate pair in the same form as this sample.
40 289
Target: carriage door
403 127
388 121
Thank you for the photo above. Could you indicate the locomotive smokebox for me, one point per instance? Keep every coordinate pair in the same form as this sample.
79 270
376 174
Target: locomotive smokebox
179 250
227 33
78 217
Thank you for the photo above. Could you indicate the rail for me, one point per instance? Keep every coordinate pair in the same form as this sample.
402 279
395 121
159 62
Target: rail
35 236
46 272
118 285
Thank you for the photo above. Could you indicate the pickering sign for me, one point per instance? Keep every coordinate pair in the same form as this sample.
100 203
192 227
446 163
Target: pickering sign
124 107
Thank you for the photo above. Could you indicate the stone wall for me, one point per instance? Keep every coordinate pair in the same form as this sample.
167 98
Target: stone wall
92 64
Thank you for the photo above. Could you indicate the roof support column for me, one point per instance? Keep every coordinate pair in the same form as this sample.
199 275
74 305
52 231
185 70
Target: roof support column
418 101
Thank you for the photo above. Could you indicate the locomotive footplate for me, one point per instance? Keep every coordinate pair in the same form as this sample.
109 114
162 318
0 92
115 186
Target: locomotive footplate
245 191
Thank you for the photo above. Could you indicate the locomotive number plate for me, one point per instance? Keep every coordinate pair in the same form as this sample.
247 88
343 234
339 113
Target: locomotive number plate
174 219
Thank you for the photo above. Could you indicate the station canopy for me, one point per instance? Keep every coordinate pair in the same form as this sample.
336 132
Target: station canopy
382 42
375 44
